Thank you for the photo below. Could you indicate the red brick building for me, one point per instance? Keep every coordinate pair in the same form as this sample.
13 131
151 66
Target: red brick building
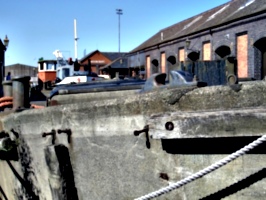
106 63
234 29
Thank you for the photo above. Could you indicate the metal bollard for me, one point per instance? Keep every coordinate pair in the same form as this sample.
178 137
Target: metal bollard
20 91
7 88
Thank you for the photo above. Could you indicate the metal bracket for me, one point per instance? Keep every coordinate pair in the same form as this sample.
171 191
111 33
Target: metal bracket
67 131
146 131
52 133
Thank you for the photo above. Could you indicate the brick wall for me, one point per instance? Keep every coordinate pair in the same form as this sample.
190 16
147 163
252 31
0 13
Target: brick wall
226 35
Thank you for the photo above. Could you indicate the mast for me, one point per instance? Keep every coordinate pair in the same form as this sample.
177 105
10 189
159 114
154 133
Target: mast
76 39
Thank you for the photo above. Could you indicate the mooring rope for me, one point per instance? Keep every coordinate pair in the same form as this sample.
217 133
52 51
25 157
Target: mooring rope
205 171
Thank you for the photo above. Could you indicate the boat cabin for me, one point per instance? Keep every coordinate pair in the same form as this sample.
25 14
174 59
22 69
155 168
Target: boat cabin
47 70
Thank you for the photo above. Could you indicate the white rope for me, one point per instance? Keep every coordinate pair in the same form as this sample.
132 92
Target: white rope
206 170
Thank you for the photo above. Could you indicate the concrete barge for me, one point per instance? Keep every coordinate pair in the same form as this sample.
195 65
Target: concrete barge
89 149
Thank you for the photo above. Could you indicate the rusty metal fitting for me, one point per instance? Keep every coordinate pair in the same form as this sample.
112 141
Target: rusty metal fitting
146 131
52 133
15 133
67 131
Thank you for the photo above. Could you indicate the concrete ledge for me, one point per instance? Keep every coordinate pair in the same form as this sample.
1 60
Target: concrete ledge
209 124
85 97
252 94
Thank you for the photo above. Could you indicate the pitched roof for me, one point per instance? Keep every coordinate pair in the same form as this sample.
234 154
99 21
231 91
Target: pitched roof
110 55
113 55
20 65
221 15
88 55
120 62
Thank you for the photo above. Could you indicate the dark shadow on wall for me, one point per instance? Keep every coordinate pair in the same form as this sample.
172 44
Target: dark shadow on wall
155 62
223 51
26 185
29 190
61 176
172 60
194 56
3 193
9 155
66 171
211 145
237 186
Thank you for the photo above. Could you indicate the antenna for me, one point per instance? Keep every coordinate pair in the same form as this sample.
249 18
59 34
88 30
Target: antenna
84 52
76 39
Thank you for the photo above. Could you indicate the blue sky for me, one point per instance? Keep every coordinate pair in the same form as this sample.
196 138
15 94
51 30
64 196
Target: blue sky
36 28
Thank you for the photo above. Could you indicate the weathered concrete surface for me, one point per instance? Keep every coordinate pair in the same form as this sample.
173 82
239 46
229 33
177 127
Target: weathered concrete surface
208 124
109 162
84 97
250 94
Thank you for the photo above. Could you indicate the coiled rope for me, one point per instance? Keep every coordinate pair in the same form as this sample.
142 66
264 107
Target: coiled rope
205 171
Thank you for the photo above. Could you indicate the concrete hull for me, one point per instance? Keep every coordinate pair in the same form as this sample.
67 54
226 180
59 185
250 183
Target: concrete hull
103 159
